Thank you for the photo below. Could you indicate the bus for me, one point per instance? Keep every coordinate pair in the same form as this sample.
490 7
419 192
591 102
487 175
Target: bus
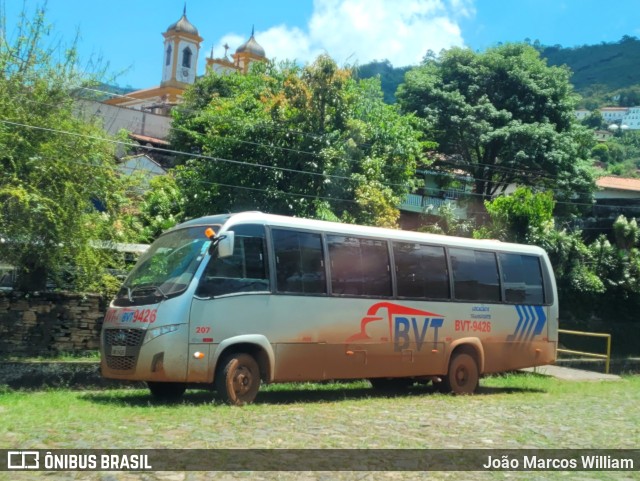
227 302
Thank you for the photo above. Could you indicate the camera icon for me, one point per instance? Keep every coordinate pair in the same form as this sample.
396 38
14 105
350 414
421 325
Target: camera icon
23 460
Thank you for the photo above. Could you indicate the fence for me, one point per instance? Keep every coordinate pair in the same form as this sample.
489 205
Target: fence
606 357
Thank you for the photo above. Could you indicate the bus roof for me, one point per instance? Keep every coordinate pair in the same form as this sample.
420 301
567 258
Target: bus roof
354 229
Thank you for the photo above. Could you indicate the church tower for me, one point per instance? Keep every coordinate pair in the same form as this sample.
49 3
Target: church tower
181 49
249 52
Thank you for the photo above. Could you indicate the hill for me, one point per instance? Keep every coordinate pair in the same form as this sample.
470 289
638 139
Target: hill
601 73
390 77
612 65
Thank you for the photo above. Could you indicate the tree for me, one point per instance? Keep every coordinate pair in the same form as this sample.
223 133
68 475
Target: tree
594 120
504 117
514 216
309 141
448 223
390 76
56 170
626 233
161 208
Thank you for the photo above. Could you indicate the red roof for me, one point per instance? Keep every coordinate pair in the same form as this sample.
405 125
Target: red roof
618 183
147 139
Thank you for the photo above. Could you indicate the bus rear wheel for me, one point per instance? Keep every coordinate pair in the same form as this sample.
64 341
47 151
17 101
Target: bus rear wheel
238 379
167 391
463 375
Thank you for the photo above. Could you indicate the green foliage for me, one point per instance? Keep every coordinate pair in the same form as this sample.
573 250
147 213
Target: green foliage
594 121
600 152
600 64
448 223
390 77
600 280
620 154
504 117
51 181
162 207
626 233
309 141
604 74
514 216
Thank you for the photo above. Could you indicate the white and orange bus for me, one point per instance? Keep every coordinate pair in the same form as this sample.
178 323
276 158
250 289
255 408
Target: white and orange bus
230 301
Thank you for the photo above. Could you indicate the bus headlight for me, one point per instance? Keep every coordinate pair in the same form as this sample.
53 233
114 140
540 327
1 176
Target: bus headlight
159 331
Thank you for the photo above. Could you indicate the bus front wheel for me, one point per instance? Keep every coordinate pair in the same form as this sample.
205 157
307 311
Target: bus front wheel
238 379
463 375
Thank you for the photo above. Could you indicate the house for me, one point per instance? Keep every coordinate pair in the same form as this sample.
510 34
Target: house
615 196
440 188
602 135
581 114
632 119
613 114
617 188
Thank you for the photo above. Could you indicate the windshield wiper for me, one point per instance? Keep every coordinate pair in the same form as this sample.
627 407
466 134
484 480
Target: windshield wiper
142 288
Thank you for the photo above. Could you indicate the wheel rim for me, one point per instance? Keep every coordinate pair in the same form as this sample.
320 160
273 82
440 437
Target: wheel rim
462 376
242 380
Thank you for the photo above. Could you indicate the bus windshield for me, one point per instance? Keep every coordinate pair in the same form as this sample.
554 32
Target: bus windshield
166 268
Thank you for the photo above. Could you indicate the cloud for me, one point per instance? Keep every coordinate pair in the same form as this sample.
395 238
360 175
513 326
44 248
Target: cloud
232 40
359 31
285 43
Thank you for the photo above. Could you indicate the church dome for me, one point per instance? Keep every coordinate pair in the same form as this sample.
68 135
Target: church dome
183 25
252 47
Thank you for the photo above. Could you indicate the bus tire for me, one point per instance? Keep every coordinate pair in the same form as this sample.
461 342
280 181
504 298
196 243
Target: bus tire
238 379
167 391
463 375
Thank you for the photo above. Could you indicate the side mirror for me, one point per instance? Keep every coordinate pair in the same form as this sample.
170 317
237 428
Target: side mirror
225 244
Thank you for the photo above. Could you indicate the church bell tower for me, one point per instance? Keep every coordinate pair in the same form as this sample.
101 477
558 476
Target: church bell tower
181 49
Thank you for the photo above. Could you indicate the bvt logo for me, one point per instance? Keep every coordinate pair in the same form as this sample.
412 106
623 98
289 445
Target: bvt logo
23 460
404 326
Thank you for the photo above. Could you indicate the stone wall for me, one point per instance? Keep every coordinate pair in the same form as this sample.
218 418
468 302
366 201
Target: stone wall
47 324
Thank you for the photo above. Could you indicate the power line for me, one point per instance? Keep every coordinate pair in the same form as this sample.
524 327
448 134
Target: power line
519 172
201 182
187 154
201 156
247 164
538 173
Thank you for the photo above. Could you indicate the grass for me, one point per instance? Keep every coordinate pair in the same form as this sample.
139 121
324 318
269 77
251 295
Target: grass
511 411
93 356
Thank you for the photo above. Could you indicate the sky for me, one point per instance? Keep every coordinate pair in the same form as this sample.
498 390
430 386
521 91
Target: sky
127 34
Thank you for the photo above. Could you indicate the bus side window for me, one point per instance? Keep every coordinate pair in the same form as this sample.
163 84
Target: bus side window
522 278
421 271
475 275
299 262
359 267
244 271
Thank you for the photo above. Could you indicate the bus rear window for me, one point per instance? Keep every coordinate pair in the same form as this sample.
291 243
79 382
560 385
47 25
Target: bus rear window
522 278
